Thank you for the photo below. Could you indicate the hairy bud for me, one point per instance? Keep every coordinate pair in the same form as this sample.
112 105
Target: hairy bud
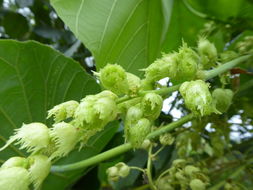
207 52
95 111
63 111
197 184
39 169
33 137
113 77
138 132
161 68
14 178
187 60
15 162
197 97
222 99
152 105
65 137
134 83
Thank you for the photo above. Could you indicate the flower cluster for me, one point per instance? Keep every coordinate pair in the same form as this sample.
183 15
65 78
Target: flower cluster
182 175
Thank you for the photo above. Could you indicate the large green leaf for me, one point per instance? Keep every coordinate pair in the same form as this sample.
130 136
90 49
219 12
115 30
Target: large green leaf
34 78
127 32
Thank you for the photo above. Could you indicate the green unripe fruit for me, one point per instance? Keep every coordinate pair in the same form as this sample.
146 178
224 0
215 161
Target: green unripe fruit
15 162
207 52
151 105
222 99
138 132
166 139
14 178
197 184
197 97
113 77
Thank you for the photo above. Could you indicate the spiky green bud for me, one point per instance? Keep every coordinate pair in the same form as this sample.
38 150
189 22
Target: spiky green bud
113 77
222 99
32 137
63 111
15 162
187 60
95 111
197 184
14 178
197 97
151 105
139 131
166 66
134 84
65 137
207 52
39 169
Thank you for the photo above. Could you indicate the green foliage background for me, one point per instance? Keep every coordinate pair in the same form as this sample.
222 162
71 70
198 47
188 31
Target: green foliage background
34 77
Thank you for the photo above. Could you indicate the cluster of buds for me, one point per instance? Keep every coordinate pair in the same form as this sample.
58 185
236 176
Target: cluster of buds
246 45
120 170
184 175
139 118
19 173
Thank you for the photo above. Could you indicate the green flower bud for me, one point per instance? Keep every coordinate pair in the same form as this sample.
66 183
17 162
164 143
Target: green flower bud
138 132
222 99
63 111
190 170
187 67
105 109
39 169
112 173
207 52
179 163
197 97
197 184
180 176
95 111
33 137
15 162
161 68
14 178
123 169
163 184
114 78
166 139
152 104
134 113
134 83
65 137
